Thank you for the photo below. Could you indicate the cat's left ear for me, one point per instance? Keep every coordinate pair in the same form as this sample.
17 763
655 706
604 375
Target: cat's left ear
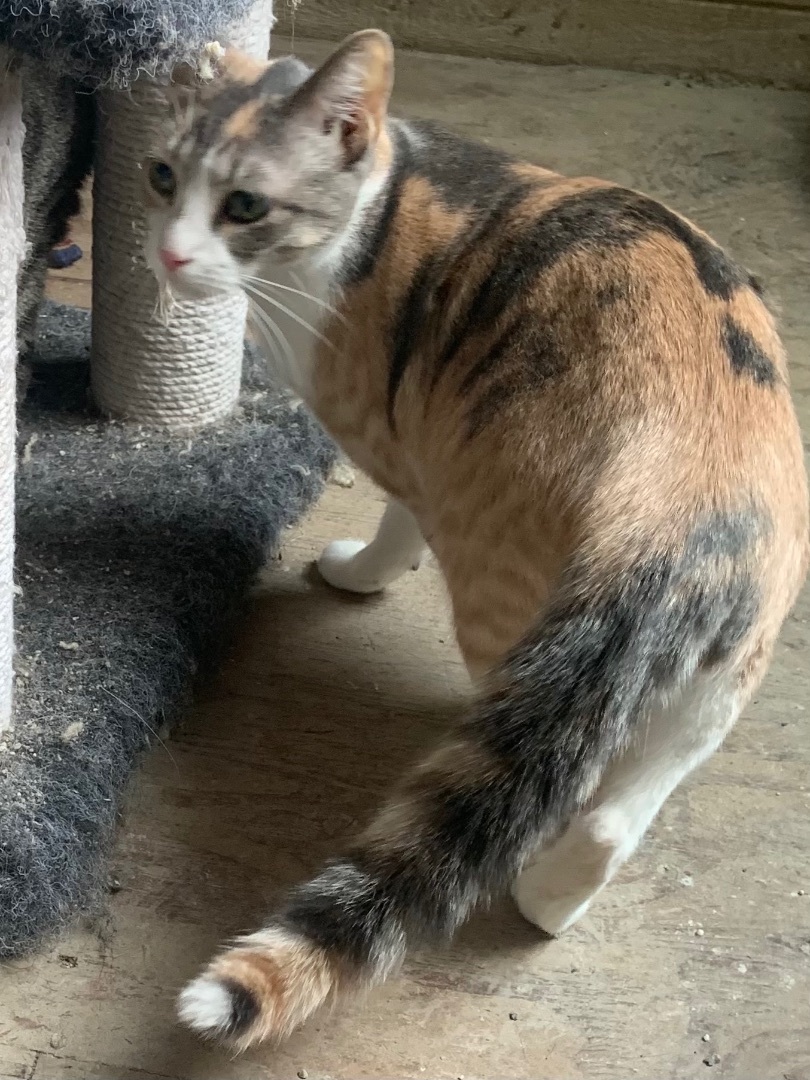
350 92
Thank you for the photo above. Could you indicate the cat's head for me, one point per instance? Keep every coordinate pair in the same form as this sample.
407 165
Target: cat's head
265 164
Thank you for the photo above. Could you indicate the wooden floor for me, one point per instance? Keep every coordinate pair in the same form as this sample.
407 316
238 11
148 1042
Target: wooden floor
695 963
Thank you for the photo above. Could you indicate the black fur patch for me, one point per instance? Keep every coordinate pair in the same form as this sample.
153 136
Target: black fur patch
612 293
623 216
528 353
494 357
244 1007
489 405
466 821
594 663
362 261
598 219
464 172
410 326
490 224
742 613
730 537
727 534
345 910
745 356
466 176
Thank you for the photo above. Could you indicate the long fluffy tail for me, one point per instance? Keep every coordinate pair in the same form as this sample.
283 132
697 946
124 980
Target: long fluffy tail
512 774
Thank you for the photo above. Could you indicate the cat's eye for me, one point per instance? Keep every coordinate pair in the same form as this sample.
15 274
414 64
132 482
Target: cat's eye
162 179
245 207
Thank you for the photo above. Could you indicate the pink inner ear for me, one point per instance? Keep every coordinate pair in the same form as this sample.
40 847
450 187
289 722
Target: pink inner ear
348 128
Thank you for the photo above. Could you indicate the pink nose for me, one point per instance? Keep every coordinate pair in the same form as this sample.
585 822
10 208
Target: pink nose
171 260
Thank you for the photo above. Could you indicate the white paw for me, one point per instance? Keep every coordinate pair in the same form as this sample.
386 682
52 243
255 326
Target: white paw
551 914
341 566
206 1006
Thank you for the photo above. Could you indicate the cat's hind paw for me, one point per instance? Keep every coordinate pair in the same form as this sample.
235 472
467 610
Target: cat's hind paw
342 566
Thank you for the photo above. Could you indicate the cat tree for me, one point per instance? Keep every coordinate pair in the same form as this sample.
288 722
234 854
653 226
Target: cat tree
181 375
136 542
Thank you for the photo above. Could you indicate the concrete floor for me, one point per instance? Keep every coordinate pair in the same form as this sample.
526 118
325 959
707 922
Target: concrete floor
695 963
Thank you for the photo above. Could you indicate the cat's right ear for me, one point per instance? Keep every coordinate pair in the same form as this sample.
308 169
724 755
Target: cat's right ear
349 93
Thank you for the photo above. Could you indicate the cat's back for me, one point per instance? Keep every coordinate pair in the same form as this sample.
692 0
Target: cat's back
508 283
579 328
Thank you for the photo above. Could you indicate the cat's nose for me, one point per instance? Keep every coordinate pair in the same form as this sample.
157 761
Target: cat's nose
171 260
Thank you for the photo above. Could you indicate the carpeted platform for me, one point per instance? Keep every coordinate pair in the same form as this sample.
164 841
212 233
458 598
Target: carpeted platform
135 551
103 43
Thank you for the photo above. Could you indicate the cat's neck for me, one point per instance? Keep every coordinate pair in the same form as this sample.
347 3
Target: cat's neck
298 301
344 251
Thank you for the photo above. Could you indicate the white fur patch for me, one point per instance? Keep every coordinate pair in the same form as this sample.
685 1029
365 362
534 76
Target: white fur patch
205 1005
289 311
332 258
367 568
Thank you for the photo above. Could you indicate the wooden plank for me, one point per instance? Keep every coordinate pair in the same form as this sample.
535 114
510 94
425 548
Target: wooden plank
768 45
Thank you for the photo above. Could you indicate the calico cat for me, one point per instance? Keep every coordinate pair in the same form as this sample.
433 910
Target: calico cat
581 405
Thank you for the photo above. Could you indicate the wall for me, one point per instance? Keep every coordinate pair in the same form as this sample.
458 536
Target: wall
759 41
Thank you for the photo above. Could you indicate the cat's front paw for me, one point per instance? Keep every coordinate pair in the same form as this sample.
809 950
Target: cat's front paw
342 566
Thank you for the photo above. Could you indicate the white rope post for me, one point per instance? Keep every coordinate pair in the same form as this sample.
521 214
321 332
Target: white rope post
186 373
12 243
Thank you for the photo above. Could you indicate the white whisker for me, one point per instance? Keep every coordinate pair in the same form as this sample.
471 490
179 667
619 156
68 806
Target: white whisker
269 343
259 319
291 314
265 323
300 292
254 318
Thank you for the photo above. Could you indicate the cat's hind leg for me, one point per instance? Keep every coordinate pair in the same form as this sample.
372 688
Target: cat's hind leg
358 567
559 881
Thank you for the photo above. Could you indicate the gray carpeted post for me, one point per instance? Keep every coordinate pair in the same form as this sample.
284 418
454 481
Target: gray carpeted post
188 372
12 243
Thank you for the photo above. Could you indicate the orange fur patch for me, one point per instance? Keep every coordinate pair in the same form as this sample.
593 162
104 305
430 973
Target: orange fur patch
239 67
288 978
244 123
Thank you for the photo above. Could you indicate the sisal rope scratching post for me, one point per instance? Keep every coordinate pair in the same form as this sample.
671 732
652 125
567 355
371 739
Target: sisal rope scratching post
186 373
12 242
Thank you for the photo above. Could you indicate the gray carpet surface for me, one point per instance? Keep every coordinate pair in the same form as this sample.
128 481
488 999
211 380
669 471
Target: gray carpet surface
110 42
135 552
